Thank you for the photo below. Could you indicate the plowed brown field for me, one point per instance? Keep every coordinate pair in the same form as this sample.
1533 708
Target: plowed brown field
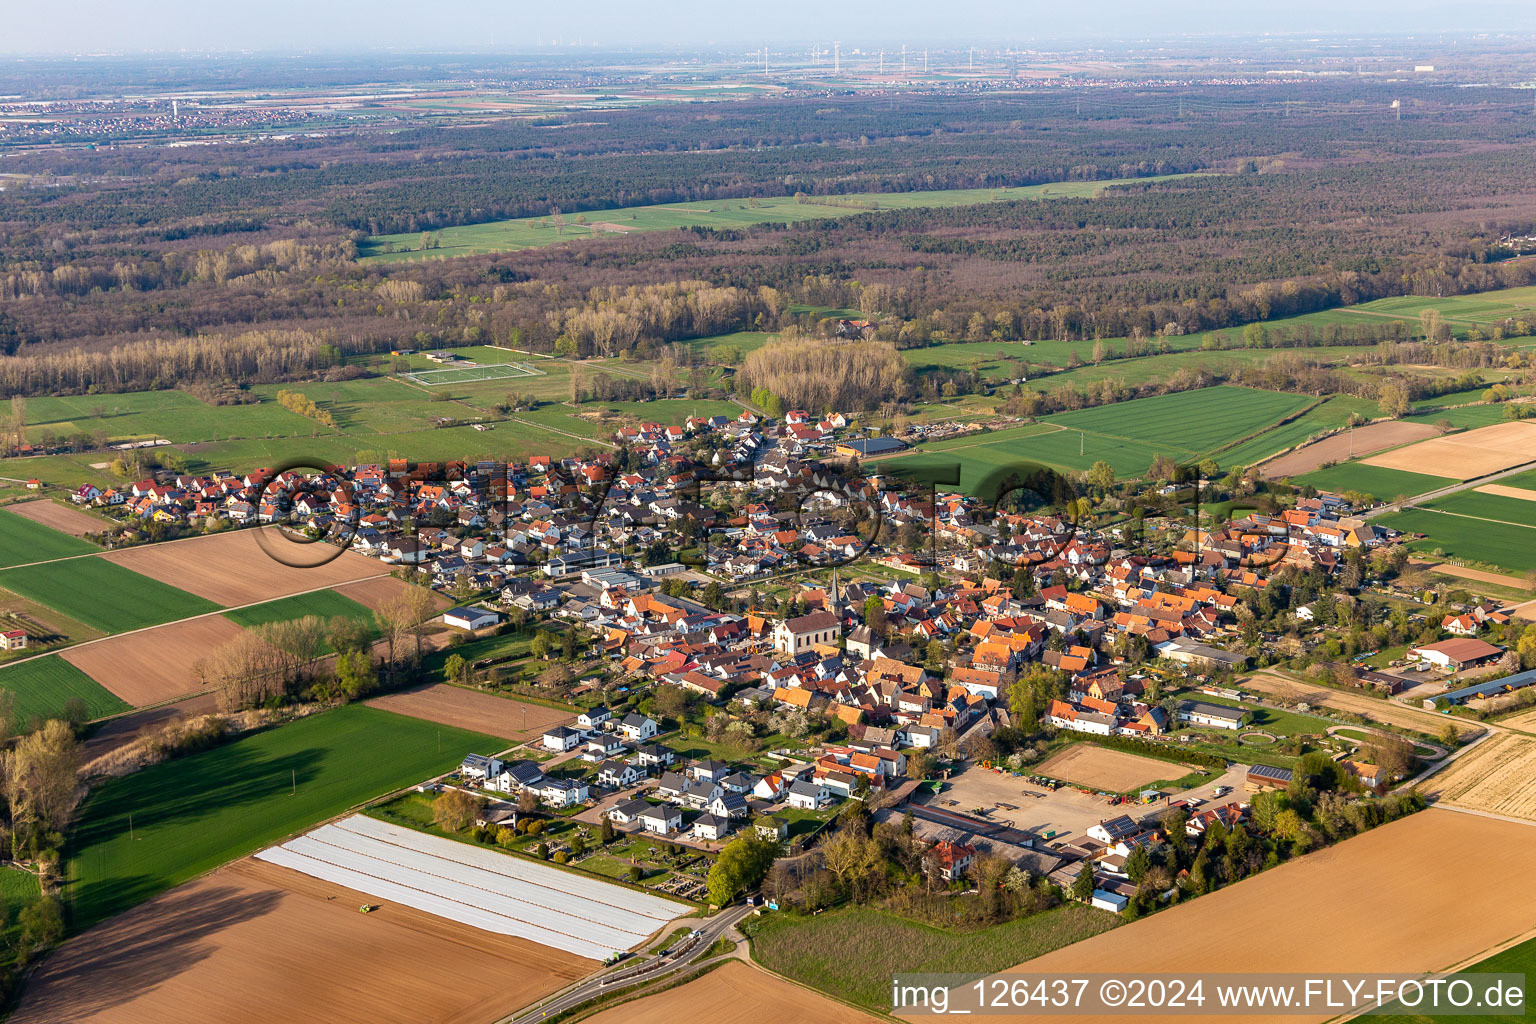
156 664
376 593
258 943
1337 448
1465 456
60 517
233 569
1361 906
734 994
470 709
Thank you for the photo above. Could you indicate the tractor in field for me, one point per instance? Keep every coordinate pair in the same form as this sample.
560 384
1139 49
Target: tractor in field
368 908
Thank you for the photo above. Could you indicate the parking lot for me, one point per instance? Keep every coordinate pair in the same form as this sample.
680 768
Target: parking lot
1015 801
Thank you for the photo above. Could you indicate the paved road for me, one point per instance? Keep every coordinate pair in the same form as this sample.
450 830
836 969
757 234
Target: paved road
626 975
1428 496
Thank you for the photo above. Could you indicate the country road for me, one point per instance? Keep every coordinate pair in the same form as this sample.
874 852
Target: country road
688 953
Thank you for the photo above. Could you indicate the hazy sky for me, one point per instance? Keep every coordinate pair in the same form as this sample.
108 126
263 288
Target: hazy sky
82 26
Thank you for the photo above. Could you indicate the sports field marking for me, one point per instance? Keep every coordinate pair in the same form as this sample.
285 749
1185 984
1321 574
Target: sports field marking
470 374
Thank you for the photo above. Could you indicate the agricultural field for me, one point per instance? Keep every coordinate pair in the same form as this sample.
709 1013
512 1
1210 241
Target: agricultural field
1400 928
42 686
233 569
382 590
530 232
1478 540
24 540
1497 776
103 594
327 604
471 709
1341 447
253 942
1467 455
814 951
153 665
734 993
197 812
1113 771
1517 959
1129 435
173 415
1355 703
1332 414
1483 503
59 516
1382 484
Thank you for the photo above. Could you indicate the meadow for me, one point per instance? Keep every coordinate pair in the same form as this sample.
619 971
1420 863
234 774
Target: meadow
146 832
530 232
327 604
23 540
1477 540
1383 484
42 686
1128 435
1329 416
102 594
1488 506
814 950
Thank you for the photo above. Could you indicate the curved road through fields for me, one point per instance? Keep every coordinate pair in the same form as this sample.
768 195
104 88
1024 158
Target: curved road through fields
689 952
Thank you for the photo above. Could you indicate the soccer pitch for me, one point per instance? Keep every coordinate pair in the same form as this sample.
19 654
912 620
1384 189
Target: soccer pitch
470 374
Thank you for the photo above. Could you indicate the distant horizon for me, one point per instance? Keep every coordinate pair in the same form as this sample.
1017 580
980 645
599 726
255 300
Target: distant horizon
96 28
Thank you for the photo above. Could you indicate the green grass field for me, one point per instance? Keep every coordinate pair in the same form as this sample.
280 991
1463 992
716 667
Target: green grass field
22 541
17 889
1478 540
173 415
1489 506
42 686
530 232
1331 415
1128 435
814 950
1519 959
103 594
192 814
1384 484
327 604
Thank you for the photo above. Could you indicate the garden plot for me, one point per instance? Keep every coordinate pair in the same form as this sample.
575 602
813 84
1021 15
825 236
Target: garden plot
492 891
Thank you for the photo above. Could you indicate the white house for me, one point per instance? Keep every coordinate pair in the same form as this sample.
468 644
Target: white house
617 774
560 792
628 811
470 618
516 776
808 796
662 820
593 718
480 768
602 746
637 727
562 738
711 826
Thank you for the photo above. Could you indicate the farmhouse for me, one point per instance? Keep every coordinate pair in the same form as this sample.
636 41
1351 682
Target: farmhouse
13 640
1112 830
1215 716
1455 655
951 859
470 618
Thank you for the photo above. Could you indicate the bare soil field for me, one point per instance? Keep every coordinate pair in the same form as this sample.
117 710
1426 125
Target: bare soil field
1476 575
1464 456
60 517
470 709
1361 906
1505 491
1113 770
376 593
736 993
233 569
1498 776
1368 439
1525 721
258 943
124 729
156 664
1357 703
